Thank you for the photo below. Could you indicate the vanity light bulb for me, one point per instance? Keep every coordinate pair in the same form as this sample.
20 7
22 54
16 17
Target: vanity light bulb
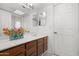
17 25
44 14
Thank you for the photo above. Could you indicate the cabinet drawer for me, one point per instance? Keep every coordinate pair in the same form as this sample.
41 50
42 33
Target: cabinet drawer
30 45
40 41
32 52
40 46
17 50
14 51
31 48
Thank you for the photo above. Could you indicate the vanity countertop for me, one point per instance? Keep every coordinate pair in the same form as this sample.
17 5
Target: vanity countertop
8 44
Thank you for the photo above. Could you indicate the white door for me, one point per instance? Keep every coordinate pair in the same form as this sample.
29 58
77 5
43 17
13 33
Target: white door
64 29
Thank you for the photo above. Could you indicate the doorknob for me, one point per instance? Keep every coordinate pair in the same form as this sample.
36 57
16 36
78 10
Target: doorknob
55 32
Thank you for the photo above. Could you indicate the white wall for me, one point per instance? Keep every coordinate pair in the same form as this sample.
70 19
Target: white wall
50 27
5 18
42 30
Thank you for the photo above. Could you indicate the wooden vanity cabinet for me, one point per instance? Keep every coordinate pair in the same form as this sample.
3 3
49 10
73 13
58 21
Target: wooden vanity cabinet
39 46
31 48
14 51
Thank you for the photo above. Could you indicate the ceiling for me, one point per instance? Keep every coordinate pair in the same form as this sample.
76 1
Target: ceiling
11 7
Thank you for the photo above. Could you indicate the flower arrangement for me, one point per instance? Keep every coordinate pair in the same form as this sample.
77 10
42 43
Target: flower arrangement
14 33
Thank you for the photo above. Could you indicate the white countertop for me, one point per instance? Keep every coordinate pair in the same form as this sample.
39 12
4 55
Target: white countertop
5 44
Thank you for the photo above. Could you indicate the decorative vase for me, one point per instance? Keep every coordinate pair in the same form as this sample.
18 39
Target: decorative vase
15 36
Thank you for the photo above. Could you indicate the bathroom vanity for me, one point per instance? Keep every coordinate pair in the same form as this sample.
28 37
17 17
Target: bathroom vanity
34 47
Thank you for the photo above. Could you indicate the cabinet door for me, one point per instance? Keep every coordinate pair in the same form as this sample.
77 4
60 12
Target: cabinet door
31 48
15 51
40 46
45 40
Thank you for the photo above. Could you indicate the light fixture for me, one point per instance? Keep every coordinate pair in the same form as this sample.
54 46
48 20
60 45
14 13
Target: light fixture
27 5
18 12
17 25
43 14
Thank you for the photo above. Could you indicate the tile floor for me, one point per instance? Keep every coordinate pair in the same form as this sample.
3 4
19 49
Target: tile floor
47 54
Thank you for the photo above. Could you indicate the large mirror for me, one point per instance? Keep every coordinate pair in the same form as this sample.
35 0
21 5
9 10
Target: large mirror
35 20
39 19
16 19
